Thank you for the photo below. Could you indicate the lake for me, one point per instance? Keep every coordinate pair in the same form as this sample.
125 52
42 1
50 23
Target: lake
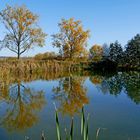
112 102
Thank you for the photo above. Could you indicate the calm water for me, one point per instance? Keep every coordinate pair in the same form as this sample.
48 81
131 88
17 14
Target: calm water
113 102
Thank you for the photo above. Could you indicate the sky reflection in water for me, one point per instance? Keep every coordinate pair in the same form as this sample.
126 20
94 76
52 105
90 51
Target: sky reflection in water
26 106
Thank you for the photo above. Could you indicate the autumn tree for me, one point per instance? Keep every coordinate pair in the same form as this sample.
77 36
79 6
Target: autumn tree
72 38
96 53
22 30
46 56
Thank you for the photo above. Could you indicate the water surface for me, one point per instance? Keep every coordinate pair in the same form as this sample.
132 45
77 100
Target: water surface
113 102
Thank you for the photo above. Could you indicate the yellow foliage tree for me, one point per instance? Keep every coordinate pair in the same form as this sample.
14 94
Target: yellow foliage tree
22 30
96 53
72 39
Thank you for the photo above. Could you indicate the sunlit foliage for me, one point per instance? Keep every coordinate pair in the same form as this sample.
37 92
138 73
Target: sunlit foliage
46 56
72 39
96 53
22 30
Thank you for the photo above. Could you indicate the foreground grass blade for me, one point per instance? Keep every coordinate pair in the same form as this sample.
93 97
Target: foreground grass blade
57 126
67 137
97 133
71 129
84 132
87 128
82 121
43 136
87 132
85 135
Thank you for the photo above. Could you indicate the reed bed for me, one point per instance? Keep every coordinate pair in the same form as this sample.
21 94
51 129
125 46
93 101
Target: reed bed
31 66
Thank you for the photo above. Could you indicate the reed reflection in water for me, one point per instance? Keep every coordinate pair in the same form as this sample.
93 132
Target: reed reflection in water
23 106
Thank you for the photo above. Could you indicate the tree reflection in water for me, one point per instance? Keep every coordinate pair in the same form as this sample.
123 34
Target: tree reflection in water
132 85
21 104
129 82
71 93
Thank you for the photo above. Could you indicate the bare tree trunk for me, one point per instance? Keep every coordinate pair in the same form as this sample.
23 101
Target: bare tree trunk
18 55
18 52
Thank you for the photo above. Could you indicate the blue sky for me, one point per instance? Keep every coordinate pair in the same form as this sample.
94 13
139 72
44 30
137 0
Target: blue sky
108 20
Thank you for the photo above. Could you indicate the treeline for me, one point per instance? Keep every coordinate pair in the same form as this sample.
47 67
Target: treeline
125 56
116 55
23 33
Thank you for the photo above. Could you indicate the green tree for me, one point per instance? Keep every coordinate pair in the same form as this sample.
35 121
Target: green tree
72 39
116 52
132 52
22 30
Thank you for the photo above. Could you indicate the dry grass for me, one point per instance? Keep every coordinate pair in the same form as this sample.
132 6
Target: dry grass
31 66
